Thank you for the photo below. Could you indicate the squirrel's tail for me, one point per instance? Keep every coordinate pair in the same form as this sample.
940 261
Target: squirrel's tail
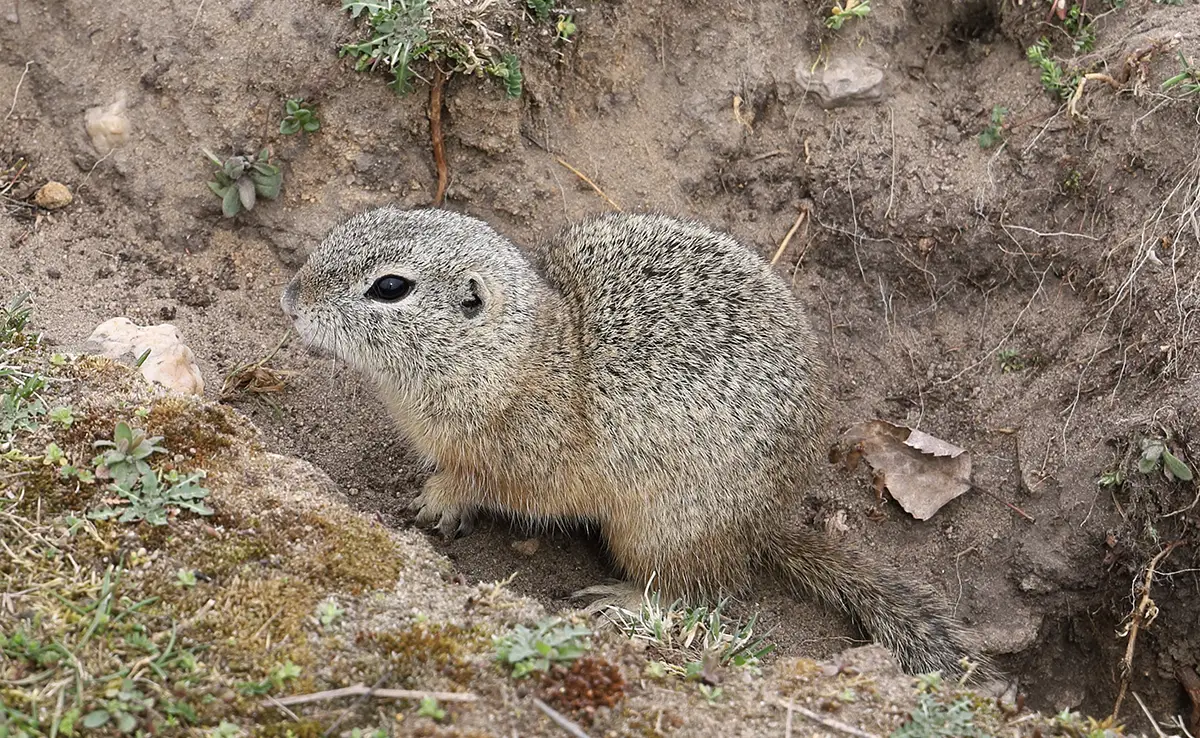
905 616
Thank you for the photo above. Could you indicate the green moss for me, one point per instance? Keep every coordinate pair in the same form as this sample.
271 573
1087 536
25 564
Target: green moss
290 729
427 648
353 553
189 427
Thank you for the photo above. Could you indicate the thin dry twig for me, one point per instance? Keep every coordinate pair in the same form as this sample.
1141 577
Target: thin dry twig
1144 614
1007 336
18 90
829 723
589 182
256 377
435 132
560 720
1011 506
1149 717
196 17
892 189
788 238
358 690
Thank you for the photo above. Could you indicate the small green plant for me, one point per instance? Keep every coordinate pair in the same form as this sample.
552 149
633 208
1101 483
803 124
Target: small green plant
125 461
14 318
21 407
1011 361
1112 478
1054 78
275 681
552 641
185 578
840 13
299 116
61 416
121 708
1154 453
240 180
226 729
429 708
710 693
931 718
405 34
1080 29
565 28
329 613
400 36
993 134
1188 79
149 500
541 8
698 633
24 647
508 71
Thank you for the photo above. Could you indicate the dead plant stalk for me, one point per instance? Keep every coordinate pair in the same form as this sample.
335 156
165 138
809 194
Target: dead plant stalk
1143 615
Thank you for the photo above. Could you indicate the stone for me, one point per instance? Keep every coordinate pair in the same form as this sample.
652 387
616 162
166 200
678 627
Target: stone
845 81
527 547
170 363
107 126
52 196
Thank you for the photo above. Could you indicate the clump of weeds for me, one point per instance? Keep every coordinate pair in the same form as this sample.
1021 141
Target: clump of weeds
552 641
463 39
842 12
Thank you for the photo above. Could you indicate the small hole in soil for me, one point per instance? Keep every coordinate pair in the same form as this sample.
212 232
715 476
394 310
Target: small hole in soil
977 21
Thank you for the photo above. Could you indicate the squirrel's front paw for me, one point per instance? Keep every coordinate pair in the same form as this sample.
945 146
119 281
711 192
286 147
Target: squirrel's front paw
453 519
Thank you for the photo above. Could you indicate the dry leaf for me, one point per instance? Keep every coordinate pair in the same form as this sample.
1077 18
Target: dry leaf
921 472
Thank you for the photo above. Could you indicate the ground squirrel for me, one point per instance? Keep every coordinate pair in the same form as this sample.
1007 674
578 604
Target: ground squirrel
642 373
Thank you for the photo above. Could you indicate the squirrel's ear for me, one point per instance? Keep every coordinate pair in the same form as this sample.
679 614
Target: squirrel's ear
476 296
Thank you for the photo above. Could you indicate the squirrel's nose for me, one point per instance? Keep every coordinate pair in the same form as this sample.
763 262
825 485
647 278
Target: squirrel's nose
288 300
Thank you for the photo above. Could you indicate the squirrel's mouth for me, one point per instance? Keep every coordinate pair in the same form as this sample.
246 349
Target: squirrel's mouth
315 339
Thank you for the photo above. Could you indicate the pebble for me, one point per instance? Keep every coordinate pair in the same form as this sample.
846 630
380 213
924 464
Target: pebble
527 547
170 363
107 126
846 81
52 196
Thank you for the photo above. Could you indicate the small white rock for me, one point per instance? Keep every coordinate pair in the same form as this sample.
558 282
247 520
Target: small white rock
170 363
107 126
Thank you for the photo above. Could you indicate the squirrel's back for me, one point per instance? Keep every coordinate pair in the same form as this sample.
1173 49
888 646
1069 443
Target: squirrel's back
684 331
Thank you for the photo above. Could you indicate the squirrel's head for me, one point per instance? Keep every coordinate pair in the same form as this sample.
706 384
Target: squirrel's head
423 301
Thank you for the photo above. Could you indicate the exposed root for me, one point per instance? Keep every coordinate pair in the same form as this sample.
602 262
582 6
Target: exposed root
435 132
1144 614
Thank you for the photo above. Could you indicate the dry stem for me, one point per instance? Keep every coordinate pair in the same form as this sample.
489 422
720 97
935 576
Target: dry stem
830 723
589 181
1144 614
788 238
362 689
560 720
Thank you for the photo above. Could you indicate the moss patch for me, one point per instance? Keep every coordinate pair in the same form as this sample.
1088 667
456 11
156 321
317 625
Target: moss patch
428 649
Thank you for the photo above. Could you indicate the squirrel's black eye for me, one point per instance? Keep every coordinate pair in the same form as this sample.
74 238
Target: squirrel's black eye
390 288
